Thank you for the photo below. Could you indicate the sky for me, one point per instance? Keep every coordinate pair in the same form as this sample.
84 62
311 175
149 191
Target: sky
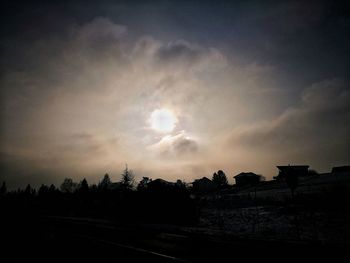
175 89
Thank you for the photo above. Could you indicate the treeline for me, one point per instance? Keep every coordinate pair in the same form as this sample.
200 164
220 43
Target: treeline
151 201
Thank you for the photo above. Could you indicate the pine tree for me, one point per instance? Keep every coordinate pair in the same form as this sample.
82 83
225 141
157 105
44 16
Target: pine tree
105 183
68 186
127 181
84 186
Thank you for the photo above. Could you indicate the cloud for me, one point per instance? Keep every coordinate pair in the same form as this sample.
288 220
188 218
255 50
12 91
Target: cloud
100 29
185 145
49 160
182 56
329 94
315 130
178 146
179 50
80 104
77 104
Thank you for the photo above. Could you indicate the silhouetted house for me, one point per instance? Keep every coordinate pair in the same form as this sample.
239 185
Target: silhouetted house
292 170
204 185
246 179
160 185
341 170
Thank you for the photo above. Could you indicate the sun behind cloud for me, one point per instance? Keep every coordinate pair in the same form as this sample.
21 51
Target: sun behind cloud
163 120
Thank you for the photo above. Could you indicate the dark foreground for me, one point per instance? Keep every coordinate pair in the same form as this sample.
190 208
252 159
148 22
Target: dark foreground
63 239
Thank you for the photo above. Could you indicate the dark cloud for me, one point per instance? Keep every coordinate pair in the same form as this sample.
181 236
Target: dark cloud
177 146
179 51
315 130
50 160
184 146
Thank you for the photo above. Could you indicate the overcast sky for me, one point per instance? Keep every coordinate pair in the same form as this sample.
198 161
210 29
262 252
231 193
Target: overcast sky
249 85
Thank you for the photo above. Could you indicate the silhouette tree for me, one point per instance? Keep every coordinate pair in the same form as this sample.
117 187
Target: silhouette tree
127 181
143 183
94 188
29 190
68 186
180 184
220 179
83 186
3 188
43 189
52 189
105 183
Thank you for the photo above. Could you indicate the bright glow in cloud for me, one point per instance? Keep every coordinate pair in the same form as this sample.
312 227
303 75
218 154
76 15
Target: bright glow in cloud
163 120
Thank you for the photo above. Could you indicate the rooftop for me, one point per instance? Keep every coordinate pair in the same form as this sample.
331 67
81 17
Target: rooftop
245 174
